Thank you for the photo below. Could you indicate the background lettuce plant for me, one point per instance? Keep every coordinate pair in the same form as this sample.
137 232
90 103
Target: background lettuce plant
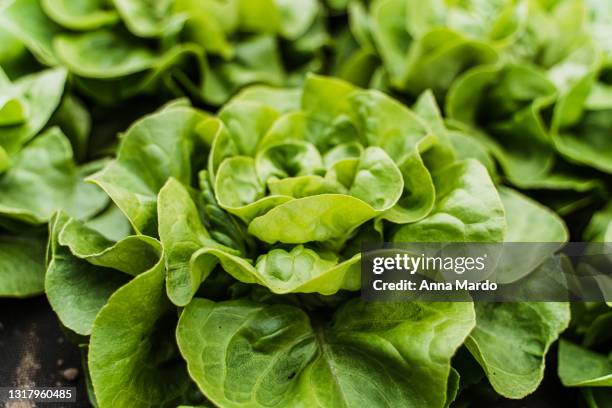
205 49
527 80
38 174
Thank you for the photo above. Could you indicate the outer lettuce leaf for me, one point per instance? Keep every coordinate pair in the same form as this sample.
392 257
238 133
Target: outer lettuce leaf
93 247
377 354
79 14
26 20
579 367
467 209
147 19
22 269
143 369
516 369
589 142
42 179
510 342
103 54
155 148
39 95
76 290
581 121
439 57
182 233
82 272
515 132
522 214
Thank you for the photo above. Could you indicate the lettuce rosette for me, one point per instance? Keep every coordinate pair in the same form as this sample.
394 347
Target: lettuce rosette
238 284
204 49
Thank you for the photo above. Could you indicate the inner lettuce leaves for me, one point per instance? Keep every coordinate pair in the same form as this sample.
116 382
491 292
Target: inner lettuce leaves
310 177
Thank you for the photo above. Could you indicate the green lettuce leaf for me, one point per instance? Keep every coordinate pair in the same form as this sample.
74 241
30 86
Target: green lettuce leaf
76 290
39 95
143 369
510 342
467 209
85 268
80 14
149 19
182 233
22 270
155 148
579 367
43 178
377 354
26 20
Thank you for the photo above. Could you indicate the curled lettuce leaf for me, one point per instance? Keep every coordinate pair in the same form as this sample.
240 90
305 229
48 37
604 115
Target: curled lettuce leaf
28 105
581 123
182 233
22 267
144 369
81 14
467 209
